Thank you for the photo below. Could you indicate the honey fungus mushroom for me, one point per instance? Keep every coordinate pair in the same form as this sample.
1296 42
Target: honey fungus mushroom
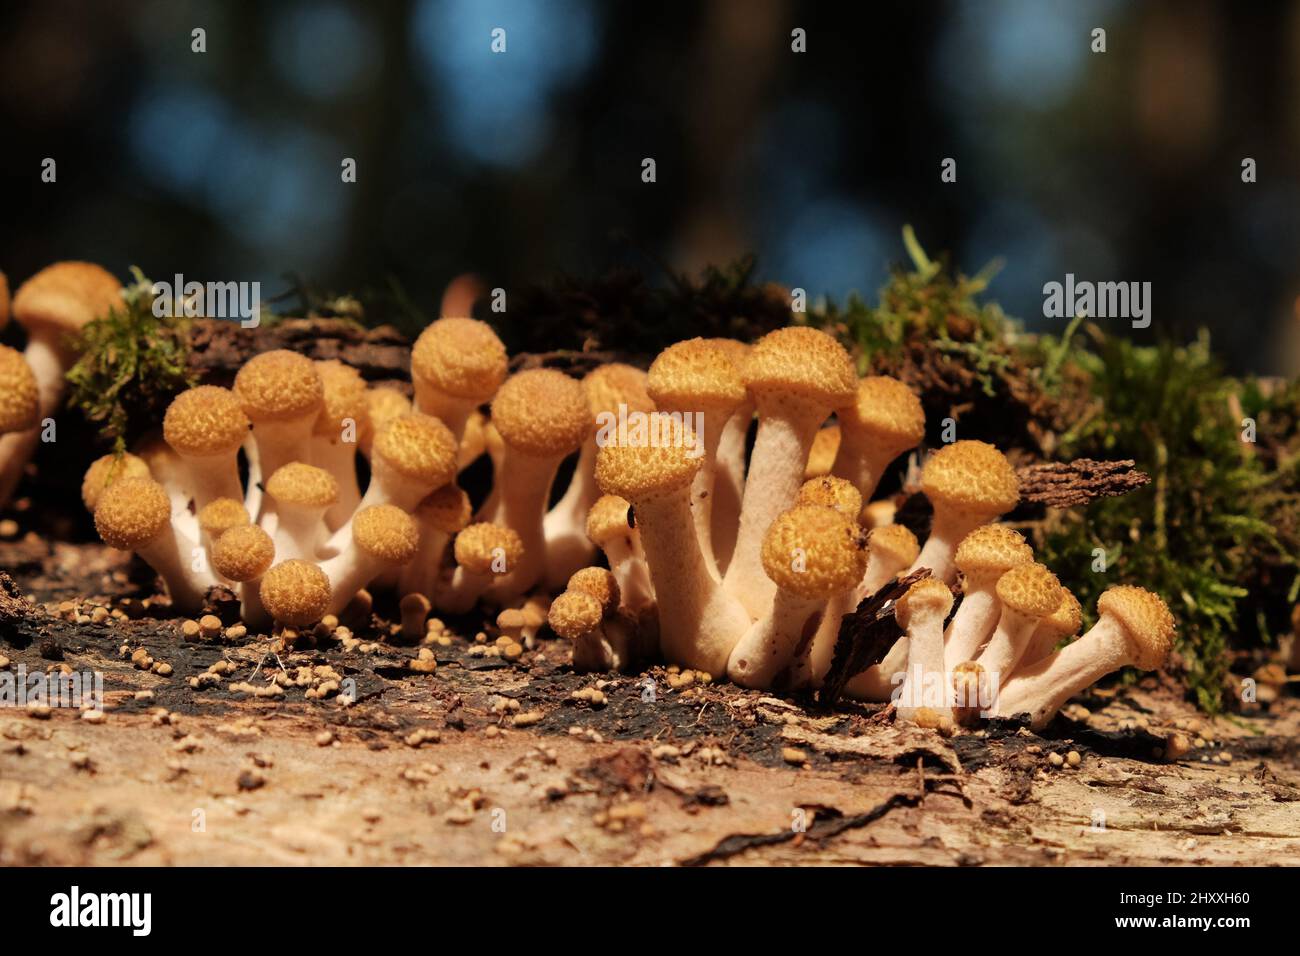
344 417
206 426
295 593
484 553
982 558
105 470
302 495
243 554
883 421
282 394
457 364
383 537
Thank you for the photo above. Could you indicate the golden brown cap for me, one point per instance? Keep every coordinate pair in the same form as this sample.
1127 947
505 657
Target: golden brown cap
106 470
734 349
814 551
460 357
831 492
205 420
926 595
220 515
1145 618
573 614
447 510
383 404
1068 616
302 485
821 457
970 476
296 592
599 583
243 553
694 376
20 397
418 447
802 364
886 412
894 542
132 512
608 519
1030 589
386 532
542 412
279 386
607 386
65 296
479 546
991 550
649 469
345 397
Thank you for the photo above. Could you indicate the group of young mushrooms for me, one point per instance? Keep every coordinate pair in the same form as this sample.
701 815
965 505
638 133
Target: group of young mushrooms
719 557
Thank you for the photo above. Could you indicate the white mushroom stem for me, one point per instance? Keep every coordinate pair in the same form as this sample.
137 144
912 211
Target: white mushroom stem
453 412
946 532
348 573
973 624
729 483
525 485
45 360
926 683
282 442
879 681
1041 643
860 461
769 646
425 572
465 589
212 477
171 555
1005 648
339 458
702 487
251 609
253 495
628 565
564 527
299 531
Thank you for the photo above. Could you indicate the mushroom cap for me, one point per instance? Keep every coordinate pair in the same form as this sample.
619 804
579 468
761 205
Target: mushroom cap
574 613
65 296
383 404
447 510
132 512
814 551
970 476
279 386
1068 616
991 550
479 545
733 349
106 470
1030 589
802 364
386 532
542 412
647 470
220 515
20 397
599 583
928 594
302 485
345 397
695 375
831 492
460 357
885 411
608 518
614 383
205 420
821 456
418 447
243 553
896 542
295 592
1146 619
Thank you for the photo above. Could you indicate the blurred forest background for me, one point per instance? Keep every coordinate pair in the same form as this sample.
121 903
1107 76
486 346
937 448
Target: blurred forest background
224 165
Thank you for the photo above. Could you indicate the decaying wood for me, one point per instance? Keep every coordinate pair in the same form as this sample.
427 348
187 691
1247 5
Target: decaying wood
1066 484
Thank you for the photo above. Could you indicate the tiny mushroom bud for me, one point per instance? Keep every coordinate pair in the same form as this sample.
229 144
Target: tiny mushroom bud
969 483
457 364
343 418
383 537
440 515
729 477
1027 593
600 584
609 527
415 611
282 394
296 593
884 421
1062 624
1135 629
484 552
106 470
983 556
243 554
920 613
577 615
206 426
302 494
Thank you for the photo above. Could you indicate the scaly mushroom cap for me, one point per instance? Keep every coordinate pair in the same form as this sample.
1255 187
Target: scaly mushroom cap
279 386
295 592
1147 620
345 397
106 470
20 397
814 551
608 518
304 485
695 375
886 411
894 541
478 546
1031 589
599 583
383 404
970 476
642 471
802 364
132 512
386 532
613 384
243 553
205 420
460 357
831 492
1068 616
928 594
821 457
220 515
418 447
542 412
447 510
574 613
734 349
65 296
991 550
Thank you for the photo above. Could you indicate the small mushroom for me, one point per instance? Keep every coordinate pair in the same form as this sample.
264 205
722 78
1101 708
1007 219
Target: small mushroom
107 469
344 417
610 528
1061 625
921 613
243 554
206 426
484 552
729 473
296 593
282 395
301 495
383 537
884 420
441 514
457 364
982 558
1027 594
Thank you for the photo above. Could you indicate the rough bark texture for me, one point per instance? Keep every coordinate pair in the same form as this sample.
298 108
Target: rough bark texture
1065 484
